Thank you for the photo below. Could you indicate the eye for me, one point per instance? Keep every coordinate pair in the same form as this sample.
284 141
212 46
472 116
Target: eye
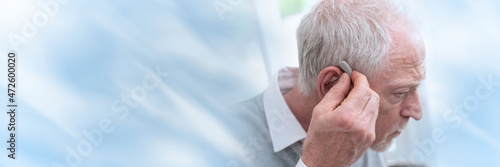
400 94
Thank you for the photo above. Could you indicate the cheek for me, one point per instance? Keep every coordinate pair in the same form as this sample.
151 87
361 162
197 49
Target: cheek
388 111
388 115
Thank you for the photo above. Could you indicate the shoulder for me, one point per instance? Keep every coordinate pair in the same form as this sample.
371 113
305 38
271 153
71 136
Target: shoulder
250 111
248 119
251 129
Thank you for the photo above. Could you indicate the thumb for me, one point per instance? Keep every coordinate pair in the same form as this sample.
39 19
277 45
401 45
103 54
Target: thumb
338 92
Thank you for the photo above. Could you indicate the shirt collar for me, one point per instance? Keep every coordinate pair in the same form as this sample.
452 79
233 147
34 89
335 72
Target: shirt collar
284 128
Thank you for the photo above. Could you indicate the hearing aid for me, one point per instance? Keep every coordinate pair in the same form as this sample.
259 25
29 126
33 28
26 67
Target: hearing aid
346 67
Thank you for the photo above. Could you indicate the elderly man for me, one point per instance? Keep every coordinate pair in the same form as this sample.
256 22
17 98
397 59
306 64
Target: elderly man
339 120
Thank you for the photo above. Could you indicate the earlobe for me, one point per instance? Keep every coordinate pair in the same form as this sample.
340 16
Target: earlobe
327 78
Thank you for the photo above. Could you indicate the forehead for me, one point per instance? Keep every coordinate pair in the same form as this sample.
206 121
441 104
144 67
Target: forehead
406 66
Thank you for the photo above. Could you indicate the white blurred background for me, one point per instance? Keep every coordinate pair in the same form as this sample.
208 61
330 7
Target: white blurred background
79 62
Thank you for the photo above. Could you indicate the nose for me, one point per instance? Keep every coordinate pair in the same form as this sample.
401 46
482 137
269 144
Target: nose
413 107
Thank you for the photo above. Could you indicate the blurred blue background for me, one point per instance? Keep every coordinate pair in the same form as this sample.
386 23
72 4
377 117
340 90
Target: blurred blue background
161 72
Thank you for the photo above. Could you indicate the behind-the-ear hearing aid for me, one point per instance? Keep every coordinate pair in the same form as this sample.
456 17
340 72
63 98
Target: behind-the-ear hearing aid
346 67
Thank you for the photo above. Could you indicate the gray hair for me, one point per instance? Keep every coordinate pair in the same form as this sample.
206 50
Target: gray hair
357 31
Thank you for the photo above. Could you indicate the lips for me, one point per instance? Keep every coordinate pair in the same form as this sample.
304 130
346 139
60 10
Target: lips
397 133
397 130
402 127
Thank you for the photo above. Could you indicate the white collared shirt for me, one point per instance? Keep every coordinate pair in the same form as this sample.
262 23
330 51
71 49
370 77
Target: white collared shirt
284 128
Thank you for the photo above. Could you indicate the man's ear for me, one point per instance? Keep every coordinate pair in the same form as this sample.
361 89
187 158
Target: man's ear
327 78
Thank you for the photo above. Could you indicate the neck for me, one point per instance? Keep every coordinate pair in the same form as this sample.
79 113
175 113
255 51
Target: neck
301 106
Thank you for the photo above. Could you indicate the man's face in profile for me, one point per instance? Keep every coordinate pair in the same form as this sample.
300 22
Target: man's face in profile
397 87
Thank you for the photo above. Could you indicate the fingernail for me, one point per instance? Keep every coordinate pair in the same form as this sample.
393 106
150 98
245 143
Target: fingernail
342 77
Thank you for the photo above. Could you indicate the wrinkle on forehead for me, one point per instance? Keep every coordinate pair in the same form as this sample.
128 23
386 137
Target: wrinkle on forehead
406 64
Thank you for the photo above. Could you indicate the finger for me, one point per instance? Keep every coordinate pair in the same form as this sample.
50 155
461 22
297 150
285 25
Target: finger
360 93
359 79
337 93
371 109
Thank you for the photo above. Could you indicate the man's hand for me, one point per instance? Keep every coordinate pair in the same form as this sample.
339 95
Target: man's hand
341 128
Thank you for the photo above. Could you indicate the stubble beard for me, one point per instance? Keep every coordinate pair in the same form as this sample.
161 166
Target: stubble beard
386 142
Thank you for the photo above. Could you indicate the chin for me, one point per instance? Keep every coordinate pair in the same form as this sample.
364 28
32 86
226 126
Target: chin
385 143
381 146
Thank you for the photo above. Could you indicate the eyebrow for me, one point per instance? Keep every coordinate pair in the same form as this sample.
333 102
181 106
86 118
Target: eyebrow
410 85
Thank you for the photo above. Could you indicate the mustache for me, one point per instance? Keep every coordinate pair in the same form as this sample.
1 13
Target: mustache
401 126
